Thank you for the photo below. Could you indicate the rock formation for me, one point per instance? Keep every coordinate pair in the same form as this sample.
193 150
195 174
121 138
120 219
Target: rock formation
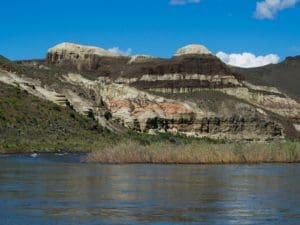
193 93
80 52
82 58
193 50
140 58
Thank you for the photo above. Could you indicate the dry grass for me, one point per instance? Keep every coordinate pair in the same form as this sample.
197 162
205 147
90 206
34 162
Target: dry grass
198 153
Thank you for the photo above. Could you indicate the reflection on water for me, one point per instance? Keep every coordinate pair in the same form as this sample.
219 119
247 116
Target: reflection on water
56 189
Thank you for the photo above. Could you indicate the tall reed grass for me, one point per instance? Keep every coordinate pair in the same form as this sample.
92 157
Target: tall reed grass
198 153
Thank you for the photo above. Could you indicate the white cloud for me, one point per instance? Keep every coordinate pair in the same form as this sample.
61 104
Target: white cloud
184 2
117 50
268 9
247 60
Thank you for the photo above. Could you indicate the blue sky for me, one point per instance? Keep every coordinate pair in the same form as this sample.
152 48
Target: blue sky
155 27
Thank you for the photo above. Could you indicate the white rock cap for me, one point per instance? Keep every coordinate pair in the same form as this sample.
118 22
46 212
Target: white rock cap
81 50
194 49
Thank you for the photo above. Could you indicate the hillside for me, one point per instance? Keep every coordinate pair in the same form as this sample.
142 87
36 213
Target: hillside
31 124
28 123
285 75
192 93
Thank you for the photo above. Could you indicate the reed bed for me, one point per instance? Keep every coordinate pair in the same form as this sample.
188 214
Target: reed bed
198 153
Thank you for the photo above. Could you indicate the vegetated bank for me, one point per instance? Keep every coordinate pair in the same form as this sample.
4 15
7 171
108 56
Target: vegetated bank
29 124
198 152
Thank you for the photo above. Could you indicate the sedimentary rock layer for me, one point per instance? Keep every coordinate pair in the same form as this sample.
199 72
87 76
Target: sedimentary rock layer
135 92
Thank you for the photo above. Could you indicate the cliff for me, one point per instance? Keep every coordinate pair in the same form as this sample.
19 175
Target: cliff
192 93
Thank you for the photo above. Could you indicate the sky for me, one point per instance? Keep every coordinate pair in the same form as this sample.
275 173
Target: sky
241 32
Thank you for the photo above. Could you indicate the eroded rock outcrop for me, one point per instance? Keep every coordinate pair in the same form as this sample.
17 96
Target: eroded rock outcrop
141 111
193 93
101 63
140 59
84 58
193 49
78 52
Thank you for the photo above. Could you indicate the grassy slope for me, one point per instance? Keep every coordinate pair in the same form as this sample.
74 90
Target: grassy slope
29 123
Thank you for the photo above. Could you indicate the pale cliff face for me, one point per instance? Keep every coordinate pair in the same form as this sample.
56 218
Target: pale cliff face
80 50
193 50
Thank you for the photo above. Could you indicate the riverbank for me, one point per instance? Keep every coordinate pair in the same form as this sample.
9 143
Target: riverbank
164 148
32 125
198 153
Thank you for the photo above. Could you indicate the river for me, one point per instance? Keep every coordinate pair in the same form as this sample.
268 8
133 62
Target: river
60 189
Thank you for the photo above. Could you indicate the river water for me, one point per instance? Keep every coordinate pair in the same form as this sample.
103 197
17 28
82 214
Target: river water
59 189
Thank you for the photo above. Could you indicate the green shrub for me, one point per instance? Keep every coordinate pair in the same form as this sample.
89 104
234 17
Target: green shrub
56 107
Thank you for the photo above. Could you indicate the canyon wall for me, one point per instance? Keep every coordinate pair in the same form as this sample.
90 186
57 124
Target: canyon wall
192 93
